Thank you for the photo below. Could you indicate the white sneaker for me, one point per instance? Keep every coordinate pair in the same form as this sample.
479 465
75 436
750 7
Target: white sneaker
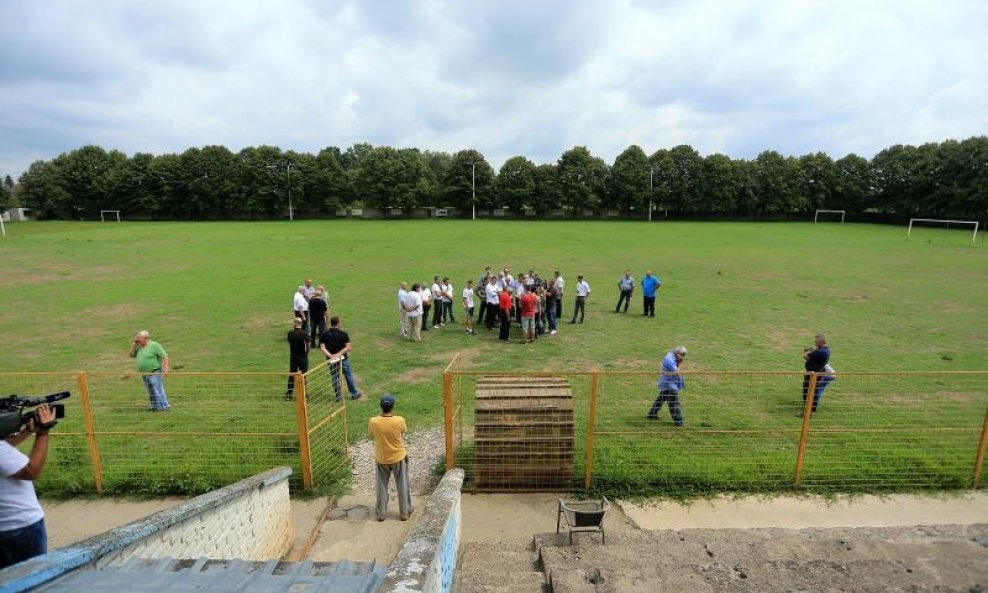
552 333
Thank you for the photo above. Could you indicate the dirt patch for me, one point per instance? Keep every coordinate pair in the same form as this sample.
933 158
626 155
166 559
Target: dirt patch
417 375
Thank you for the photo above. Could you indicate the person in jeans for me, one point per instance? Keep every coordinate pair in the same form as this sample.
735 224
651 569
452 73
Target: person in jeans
318 308
670 385
22 520
391 457
335 345
626 284
152 363
815 361
447 290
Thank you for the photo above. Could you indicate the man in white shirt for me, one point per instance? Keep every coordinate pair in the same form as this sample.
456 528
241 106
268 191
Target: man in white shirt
22 520
447 289
426 296
559 283
403 325
300 306
413 309
490 297
468 305
437 302
582 292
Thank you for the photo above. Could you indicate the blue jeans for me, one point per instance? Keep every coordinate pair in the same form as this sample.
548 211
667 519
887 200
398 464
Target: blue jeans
21 544
351 385
822 382
667 396
154 384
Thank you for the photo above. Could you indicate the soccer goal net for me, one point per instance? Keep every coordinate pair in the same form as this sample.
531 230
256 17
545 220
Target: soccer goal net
828 215
104 214
945 224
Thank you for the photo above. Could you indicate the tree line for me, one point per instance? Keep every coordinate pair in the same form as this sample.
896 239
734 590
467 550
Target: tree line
941 180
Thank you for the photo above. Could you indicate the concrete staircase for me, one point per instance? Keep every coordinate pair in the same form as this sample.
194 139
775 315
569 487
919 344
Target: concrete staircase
501 567
864 560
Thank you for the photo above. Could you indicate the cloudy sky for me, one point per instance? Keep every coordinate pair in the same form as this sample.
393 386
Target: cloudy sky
505 77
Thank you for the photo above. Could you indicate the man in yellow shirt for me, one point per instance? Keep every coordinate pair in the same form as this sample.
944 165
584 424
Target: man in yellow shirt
392 458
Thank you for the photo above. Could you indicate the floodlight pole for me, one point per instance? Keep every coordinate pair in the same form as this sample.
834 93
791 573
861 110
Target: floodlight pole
291 208
651 175
473 187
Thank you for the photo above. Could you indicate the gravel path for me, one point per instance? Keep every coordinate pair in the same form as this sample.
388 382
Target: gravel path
425 449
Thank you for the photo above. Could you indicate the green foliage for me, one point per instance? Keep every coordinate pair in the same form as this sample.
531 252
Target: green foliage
628 184
516 183
949 179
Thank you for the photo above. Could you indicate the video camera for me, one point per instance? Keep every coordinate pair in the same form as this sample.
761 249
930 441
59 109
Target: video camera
13 417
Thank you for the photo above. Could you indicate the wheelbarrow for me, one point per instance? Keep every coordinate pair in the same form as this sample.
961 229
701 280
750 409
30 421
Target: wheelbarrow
583 516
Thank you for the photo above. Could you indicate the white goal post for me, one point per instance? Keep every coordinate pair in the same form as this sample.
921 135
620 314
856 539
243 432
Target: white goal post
841 212
103 213
974 237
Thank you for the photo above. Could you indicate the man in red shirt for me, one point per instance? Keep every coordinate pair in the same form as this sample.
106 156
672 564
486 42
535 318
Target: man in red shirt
504 313
529 302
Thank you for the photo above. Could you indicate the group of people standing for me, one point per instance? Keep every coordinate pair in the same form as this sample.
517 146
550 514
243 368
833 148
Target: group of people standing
499 299
311 309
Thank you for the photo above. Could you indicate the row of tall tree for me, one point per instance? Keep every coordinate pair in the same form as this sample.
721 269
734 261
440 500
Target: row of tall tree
947 179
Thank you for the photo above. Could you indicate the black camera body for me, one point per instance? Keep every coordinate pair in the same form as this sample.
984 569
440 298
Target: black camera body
13 417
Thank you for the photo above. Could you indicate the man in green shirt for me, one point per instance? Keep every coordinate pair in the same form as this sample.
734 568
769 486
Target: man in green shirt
152 362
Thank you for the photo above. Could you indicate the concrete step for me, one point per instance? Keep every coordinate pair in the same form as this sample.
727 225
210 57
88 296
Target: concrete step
517 581
515 555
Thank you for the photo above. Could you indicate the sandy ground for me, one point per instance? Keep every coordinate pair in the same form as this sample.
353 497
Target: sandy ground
347 530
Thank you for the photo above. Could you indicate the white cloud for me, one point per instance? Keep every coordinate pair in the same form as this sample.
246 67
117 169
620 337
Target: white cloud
506 78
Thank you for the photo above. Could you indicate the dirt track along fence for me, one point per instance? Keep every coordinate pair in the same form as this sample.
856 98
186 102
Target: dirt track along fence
222 427
744 432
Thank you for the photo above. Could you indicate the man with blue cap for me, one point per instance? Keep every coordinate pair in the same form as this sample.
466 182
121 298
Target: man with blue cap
391 457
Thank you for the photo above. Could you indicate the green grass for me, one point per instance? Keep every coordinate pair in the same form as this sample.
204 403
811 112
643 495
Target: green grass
741 296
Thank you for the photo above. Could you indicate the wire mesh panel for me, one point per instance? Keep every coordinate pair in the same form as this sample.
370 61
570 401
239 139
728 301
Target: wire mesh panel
742 431
68 469
897 431
327 426
222 427
739 433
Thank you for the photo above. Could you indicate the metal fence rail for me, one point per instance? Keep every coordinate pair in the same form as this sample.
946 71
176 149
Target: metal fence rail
752 431
222 427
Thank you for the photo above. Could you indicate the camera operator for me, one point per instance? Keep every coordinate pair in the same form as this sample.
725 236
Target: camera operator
22 522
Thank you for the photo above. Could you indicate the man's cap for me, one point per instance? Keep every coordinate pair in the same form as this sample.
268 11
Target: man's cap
388 399
680 350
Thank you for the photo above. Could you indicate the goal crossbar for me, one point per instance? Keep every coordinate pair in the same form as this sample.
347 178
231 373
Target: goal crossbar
974 237
841 212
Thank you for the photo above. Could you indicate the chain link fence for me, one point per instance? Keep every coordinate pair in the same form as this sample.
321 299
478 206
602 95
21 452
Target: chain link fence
744 431
221 427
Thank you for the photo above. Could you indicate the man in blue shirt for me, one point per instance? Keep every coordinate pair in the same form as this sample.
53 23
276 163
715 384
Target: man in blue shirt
626 284
670 384
816 359
650 284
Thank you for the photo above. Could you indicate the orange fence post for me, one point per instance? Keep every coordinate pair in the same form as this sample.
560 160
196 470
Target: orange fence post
805 432
87 420
979 459
302 413
591 426
448 417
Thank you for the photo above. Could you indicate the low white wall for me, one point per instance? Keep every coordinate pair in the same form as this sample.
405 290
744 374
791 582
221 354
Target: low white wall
427 560
249 520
